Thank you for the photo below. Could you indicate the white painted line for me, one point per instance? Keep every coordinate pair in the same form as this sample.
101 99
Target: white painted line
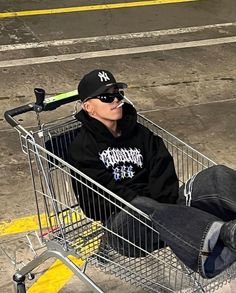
186 106
128 36
116 52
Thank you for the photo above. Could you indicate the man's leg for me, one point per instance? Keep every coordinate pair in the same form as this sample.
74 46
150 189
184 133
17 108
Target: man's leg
132 235
212 190
192 234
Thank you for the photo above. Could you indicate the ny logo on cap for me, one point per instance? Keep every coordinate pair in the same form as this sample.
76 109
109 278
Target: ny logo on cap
103 76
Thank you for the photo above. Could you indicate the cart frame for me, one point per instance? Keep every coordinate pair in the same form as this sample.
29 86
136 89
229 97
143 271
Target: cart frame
67 232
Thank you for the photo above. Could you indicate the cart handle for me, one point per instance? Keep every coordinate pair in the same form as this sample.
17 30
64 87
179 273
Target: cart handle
8 115
41 104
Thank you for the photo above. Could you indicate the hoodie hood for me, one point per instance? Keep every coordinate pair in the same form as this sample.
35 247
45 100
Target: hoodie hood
126 124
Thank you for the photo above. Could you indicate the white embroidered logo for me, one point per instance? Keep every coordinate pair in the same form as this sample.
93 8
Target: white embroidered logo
123 172
118 158
114 156
103 76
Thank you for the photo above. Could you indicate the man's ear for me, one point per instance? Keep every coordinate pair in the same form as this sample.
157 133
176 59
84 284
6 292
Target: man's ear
87 107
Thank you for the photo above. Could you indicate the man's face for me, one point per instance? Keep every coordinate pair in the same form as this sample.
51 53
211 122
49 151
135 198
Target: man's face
104 111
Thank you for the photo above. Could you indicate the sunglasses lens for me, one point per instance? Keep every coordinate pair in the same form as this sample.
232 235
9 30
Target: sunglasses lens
106 98
109 98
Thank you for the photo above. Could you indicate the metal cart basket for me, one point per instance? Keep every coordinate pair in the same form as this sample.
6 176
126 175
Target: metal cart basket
66 231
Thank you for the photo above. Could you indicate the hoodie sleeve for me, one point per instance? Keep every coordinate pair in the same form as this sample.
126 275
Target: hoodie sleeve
163 181
89 164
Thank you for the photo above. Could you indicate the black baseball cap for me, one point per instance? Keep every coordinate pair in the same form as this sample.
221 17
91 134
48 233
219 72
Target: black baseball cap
97 82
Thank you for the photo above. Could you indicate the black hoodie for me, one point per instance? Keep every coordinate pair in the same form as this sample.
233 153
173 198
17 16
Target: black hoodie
136 163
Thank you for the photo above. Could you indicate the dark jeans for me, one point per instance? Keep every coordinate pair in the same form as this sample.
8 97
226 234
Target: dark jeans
191 231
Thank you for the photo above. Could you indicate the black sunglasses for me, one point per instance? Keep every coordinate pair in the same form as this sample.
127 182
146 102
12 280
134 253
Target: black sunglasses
110 97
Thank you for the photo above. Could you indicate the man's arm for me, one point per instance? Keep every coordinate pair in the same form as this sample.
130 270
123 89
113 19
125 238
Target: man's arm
163 181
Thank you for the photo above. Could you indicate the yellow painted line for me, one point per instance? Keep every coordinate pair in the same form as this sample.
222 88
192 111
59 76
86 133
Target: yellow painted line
54 278
90 8
21 225
30 223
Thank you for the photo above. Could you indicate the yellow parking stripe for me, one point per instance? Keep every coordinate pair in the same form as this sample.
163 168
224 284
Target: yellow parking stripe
89 8
58 274
20 225
30 223
54 278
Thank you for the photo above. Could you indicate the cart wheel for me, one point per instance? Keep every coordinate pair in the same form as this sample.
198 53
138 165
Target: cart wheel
20 288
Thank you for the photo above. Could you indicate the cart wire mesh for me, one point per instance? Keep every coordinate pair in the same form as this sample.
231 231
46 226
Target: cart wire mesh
60 191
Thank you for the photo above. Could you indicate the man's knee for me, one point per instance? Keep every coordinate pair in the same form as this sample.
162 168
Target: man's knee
219 177
222 169
145 204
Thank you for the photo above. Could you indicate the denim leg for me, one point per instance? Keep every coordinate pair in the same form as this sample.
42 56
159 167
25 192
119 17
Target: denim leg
185 229
214 191
136 235
182 228
190 232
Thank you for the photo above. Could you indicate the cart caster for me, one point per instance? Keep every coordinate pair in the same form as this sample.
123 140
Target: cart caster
19 283
20 288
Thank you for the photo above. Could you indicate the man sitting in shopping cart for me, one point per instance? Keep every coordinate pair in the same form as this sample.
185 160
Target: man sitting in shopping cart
197 221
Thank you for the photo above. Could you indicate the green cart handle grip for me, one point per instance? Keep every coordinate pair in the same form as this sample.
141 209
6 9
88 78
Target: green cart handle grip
42 104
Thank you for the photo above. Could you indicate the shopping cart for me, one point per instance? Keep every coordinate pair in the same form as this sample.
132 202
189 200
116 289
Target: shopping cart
67 232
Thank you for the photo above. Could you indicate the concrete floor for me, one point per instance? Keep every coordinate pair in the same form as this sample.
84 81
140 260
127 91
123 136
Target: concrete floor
190 92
